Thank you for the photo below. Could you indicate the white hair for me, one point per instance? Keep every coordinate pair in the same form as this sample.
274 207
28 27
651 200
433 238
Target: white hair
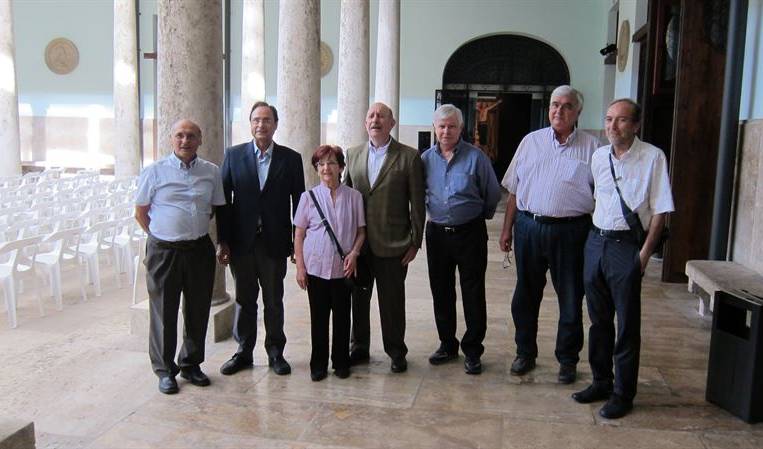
567 91
448 110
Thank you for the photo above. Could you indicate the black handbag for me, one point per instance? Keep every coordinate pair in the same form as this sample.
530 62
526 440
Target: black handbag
631 217
351 281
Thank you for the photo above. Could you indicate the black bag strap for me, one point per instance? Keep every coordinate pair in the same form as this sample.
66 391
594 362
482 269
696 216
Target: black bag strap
327 225
626 210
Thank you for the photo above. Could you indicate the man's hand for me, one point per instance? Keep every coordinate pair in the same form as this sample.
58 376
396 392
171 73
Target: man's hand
505 240
409 256
223 253
644 256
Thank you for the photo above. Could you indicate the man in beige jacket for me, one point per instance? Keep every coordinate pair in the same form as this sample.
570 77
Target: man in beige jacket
390 176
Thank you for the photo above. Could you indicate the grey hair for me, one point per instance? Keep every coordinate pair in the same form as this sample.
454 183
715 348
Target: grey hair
635 108
448 110
568 91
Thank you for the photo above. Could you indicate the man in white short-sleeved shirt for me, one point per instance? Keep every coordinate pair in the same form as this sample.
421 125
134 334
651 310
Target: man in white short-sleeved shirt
176 199
615 258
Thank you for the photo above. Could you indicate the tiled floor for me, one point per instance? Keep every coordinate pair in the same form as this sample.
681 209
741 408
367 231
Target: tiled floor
86 383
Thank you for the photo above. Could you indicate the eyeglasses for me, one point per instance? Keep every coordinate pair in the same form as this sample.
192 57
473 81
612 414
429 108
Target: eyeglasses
507 260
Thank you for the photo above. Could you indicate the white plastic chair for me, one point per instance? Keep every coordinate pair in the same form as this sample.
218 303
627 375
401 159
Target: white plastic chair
141 237
64 247
16 269
99 238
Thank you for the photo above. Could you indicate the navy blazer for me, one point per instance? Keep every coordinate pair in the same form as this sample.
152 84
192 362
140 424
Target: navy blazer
246 203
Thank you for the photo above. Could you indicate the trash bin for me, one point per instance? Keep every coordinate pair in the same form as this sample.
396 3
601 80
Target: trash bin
735 368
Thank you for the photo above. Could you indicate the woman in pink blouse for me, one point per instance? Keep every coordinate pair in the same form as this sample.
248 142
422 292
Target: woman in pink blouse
320 269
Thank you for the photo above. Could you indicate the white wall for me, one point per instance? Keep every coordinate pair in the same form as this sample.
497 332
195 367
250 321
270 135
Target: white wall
751 106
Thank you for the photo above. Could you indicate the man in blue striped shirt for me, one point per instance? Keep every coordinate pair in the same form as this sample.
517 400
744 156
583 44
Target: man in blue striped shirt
548 212
461 193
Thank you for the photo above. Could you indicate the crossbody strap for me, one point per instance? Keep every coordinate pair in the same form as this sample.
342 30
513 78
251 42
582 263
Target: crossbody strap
626 210
327 225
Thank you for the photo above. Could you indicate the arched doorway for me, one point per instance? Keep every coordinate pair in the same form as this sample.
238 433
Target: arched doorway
502 85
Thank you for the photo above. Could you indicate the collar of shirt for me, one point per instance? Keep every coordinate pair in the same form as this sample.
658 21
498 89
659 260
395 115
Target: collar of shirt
268 151
455 149
382 149
182 165
629 153
570 138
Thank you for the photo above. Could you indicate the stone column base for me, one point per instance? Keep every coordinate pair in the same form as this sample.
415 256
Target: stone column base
16 434
220 321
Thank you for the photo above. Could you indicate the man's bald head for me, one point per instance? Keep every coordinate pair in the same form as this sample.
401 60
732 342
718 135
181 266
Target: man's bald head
379 123
186 139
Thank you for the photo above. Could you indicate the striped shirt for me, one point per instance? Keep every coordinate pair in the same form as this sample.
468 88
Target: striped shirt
551 178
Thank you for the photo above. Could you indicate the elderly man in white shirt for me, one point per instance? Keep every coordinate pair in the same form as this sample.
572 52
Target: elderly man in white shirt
632 190
174 203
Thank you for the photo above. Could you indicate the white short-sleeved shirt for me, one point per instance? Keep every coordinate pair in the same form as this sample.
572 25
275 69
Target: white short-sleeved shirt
181 197
642 174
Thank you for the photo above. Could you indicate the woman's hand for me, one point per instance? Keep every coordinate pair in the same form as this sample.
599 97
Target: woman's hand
350 264
301 277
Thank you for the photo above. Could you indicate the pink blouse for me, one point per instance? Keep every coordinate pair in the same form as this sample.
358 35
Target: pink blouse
345 215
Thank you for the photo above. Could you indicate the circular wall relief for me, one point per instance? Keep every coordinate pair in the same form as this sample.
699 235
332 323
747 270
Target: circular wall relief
61 56
623 44
327 59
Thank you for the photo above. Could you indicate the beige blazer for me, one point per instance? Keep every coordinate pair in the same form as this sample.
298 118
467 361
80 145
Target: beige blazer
395 210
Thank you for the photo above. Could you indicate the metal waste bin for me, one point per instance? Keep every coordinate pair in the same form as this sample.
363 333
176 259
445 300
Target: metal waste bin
735 368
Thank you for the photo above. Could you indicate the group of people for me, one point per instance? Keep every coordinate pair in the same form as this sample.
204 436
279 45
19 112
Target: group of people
364 223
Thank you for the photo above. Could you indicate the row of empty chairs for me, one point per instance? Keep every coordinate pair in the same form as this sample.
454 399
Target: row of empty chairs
65 224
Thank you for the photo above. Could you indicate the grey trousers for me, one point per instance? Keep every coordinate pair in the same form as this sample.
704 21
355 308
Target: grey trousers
250 272
172 268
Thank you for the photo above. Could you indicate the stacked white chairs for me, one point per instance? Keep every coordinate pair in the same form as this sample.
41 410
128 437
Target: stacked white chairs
17 267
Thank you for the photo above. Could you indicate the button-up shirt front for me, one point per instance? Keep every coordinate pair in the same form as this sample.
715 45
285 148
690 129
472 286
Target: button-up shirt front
462 189
263 162
642 174
552 178
181 197
376 158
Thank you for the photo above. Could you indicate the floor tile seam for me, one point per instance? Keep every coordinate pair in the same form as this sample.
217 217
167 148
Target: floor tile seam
318 402
498 414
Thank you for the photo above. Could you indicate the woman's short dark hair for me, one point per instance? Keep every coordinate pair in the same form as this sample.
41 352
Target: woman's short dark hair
328 150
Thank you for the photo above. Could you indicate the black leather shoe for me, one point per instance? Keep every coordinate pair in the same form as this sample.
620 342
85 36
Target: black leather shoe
195 375
472 365
522 365
342 373
318 376
359 357
594 393
567 374
442 355
616 407
399 365
235 364
280 365
168 385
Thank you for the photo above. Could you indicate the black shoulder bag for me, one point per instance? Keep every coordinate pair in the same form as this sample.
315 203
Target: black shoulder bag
352 280
631 217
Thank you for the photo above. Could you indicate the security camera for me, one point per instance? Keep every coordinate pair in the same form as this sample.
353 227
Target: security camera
610 48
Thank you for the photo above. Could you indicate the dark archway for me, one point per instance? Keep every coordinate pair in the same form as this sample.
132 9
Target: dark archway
502 84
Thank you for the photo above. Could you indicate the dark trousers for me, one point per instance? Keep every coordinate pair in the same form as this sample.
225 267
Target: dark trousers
252 271
329 297
613 288
389 275
558 248
465 248
173 268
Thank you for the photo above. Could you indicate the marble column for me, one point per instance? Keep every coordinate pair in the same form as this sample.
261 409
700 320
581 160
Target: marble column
10 144
252 60
352 84
388 58
299 80
126 108
190 82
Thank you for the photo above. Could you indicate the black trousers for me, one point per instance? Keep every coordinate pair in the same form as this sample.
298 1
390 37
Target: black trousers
465 248
613 288
252 271
389 275
173 268
558 248
329 297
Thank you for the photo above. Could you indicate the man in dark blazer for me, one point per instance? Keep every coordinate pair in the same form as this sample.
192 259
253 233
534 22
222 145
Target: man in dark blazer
390 176
262 182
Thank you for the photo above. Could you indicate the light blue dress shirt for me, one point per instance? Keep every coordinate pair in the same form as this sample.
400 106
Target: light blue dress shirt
181 197
263 162
376 158
462 189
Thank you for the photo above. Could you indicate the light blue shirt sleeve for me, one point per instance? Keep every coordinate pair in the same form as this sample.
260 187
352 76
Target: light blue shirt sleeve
146 187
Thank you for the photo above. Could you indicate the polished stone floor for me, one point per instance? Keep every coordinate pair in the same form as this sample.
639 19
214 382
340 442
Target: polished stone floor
87 383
